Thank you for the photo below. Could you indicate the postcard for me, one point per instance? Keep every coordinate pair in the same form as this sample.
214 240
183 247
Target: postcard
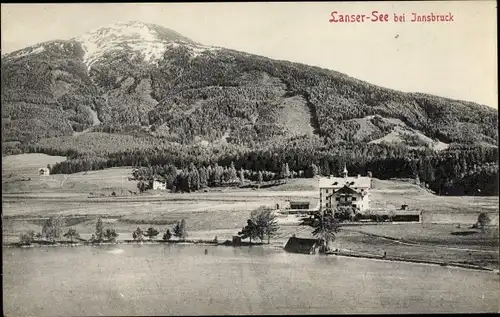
249 158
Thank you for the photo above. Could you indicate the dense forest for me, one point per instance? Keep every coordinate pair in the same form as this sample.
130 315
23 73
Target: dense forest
460 169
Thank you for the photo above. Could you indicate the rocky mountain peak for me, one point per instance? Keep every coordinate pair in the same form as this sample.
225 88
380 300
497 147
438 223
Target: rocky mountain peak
149 40
132 30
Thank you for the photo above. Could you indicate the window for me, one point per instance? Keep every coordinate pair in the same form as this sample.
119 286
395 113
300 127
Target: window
328 205
353 198
354 205
337 198
327 191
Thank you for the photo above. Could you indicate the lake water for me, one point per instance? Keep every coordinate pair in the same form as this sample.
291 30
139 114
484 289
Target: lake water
182 280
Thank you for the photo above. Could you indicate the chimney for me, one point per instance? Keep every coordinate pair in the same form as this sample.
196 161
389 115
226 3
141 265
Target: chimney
359 175
331 176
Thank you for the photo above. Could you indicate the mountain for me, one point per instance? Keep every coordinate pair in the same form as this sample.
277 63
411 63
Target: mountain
152 80
143 95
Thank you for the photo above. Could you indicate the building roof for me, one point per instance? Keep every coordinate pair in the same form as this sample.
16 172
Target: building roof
300 245
339 182
345 190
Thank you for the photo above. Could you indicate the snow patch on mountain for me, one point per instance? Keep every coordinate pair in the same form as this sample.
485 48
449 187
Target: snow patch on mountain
197 50
139 39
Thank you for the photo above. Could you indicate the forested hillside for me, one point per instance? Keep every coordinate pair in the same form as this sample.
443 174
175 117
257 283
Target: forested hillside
458 170
120 102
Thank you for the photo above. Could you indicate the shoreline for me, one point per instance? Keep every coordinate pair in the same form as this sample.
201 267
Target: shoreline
127 242
342 253
427 262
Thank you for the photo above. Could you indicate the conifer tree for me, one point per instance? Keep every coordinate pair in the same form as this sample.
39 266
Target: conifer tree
99 230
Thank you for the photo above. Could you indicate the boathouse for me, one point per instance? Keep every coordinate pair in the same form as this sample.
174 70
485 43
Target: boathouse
302 245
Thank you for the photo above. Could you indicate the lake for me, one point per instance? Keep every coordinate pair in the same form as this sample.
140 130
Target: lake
182 280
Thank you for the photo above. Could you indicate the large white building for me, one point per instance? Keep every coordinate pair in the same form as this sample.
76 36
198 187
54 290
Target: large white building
345 191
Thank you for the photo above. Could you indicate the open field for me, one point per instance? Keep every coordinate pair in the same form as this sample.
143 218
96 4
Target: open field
28 163
109 180
392 194
384 195
451 236
427 242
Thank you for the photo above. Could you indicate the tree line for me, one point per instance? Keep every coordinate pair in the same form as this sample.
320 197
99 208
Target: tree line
195 178
261 224
52 230
458 170
179 231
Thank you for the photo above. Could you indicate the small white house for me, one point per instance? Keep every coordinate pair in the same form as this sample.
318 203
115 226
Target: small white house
44 171
159 185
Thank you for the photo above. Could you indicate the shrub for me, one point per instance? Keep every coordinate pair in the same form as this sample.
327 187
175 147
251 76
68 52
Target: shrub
71 234
138 234
345 213
483 220
151 233
111 235
27 238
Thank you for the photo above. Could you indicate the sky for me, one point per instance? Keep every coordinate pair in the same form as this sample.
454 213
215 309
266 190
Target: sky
455 59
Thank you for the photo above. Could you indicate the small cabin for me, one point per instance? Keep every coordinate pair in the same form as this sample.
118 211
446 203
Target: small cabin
44 171
302 245
299 205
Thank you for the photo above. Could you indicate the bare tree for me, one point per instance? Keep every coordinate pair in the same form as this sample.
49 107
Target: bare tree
266 222
180 229
71 234
52 228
